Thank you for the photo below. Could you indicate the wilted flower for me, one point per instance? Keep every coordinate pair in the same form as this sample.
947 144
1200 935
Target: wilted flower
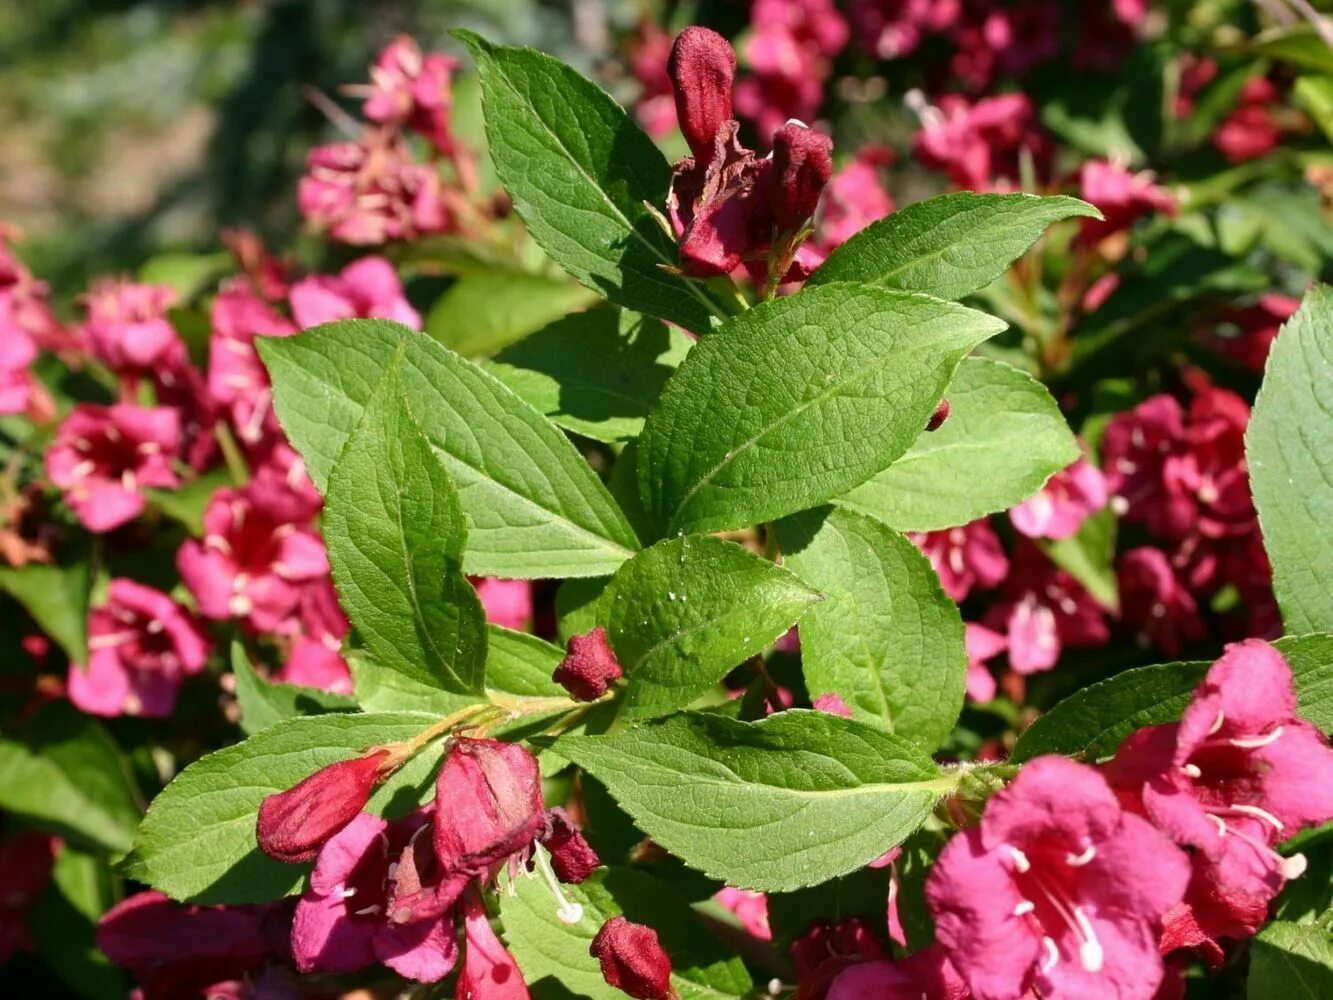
633 960
590 667
489 972
572 857
293 825
488 806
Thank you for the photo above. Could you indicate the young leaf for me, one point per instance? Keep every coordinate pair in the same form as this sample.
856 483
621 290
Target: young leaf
57 599
797 401
703 968
262 703
580 171
1004 438
1093 722
1292 962
596 373
64 773
534 508
681 614
197 842
885 639
1290 455
948 246
395 533
486 312
792 801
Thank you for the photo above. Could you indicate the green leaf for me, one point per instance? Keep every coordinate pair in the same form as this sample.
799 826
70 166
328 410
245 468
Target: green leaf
792 801
187 504
521 664
1004 438
534 508
1289 448
188 274
885 639
550 952
486 312
681 614
949 246
57 599
263 703
1093 722
395 534
797 401
64 773
1089 557
596 373
197 842
1301 46
1291 962
1315 94
580 171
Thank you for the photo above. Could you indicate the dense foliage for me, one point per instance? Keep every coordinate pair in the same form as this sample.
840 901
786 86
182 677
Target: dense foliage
852 525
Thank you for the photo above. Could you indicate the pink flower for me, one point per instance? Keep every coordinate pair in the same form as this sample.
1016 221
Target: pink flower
1058 890
507 602
128 328
855 198
1210 913
928 973
26 861
1135 449
826 949
1068 499
1154 602
17 352
633 959
1210 477
256 553
347 918
590 667
103 457
572 858
1107 32
964 557
1246 333
980 146
410 89
656 106
1122 195
751 909
293 825
893 28
142 645
1250 131
789 52
311 663
1023 35
982 644
489 972
1239 773
832 703
1043 610
370 192
237 379
365 288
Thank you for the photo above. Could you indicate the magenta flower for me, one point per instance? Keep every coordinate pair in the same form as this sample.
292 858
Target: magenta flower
590 667
1107 32
1211 913
1238 774
365 288
1154 602
750 908
128 328
237 379
407 88
293 825
347 918
489 972
979 146
965 557
17 353
1122 195
507 602
1135 449
656 107
928 973
1251 130
104 456
890 29
312 663
141 647
1043 610
1068 499
572 857
982 644
1058 890
1245 334
855 197
789 53
26 861
826 949
633 959
488 806
256 554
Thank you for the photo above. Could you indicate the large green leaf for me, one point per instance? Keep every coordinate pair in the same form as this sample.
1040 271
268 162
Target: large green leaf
1094 721
547 950
63 772
581 173
949 246
797 401
534 508
57 599
198 840
1292 962
395 533
486 312
596 373
681 614
792 801
885 638
1289 447
1004 438
262 703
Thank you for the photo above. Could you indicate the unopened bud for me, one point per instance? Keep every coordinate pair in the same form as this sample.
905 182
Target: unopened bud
633 960
572 856
802 166
702 67
940 415
488 805
293 825
590 667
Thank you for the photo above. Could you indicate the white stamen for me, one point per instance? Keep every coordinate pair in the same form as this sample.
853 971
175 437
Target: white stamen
1293 867
1090 952
1256 742
1217 724
1079 860
1192 770
1024 908
369 911
1258 813
349 892
1052 957
1021 862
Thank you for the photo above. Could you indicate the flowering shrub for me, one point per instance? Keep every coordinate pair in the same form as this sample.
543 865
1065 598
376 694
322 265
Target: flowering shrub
776 610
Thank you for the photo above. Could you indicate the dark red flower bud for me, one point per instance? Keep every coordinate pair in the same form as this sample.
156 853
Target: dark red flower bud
633 960
488 805
802 165
293 825
572 856
940 415
590 667
702 66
